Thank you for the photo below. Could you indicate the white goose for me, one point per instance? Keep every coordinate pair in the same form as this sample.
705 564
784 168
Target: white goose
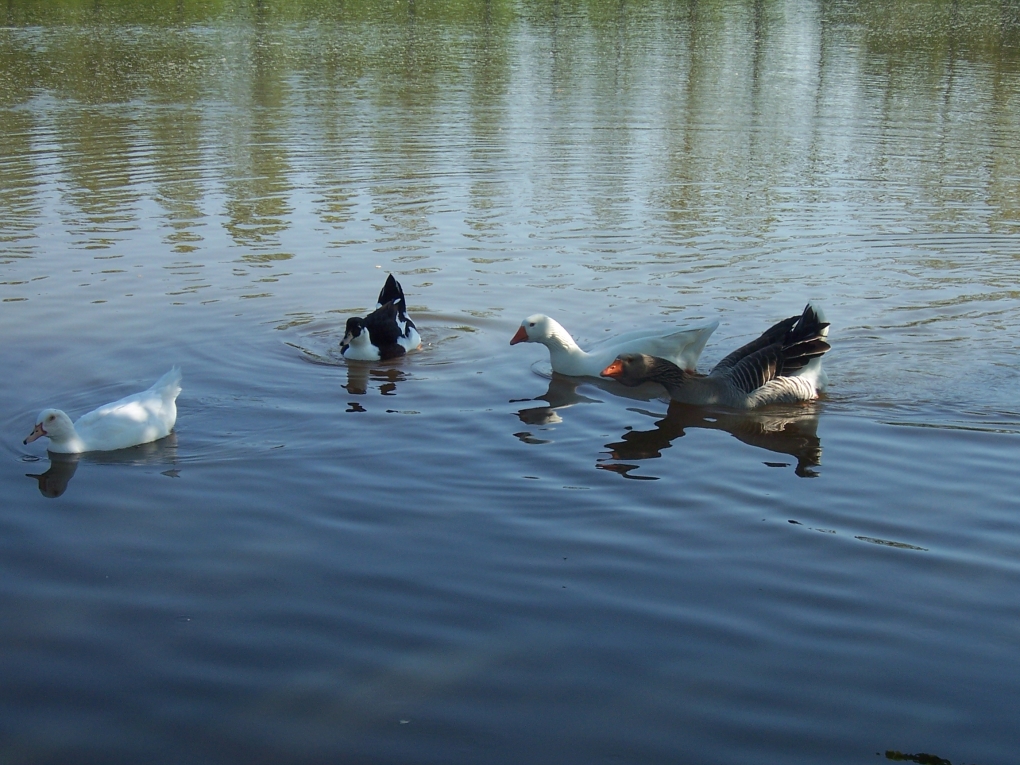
682 347
784 365
133 420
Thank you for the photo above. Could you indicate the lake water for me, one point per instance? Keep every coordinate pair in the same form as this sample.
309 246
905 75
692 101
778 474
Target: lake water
452 558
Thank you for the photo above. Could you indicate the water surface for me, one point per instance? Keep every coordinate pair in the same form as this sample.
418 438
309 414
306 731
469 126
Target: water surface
453 557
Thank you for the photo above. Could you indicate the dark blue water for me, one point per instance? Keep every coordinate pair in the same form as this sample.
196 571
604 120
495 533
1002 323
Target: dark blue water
453 557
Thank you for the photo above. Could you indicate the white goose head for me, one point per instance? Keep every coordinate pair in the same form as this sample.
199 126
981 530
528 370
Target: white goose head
539 328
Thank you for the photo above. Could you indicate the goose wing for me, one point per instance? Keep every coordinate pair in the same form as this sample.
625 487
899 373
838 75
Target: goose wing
754 369
805 342
782 350
682 347
773 334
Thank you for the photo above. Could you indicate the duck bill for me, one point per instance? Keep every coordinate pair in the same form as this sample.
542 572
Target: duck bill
613 370
38 432
345 342
520 337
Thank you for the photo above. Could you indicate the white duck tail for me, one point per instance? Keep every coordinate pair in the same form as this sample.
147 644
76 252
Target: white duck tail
684 348
169 386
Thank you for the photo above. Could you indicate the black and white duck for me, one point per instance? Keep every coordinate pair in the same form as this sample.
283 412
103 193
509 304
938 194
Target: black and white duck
386 333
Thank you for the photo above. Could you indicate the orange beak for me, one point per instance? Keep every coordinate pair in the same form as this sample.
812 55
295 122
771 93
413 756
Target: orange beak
613 370
520 337
37 433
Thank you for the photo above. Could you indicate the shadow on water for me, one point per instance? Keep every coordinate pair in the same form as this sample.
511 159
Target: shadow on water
53 482
924 758
785 431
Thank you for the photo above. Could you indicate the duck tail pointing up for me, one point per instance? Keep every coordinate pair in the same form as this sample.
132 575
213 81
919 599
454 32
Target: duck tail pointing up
169 385
813 319
392 292
805 340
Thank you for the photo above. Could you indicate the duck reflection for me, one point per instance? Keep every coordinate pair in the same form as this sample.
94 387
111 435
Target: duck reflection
53 483
360 375
788 431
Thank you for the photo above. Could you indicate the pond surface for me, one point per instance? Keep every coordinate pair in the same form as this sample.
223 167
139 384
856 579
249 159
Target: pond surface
453 558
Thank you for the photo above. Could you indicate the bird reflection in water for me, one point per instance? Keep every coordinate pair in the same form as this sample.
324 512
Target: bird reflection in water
53 483
562 393
360 375
791 431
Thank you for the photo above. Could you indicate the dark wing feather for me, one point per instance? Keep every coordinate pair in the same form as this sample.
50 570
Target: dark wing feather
797 356
392 292
773 334
755 369
382 325
776 353
804 342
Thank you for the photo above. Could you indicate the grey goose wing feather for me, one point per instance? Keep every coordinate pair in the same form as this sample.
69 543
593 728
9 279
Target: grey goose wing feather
773 334
782 350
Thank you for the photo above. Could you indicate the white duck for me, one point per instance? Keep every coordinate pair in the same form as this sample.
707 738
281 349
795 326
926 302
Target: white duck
783 365
682 347
135 419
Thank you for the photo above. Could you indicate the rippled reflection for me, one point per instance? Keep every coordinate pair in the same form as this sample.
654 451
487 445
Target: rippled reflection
789 432
53 482
360 374
238 170
562 393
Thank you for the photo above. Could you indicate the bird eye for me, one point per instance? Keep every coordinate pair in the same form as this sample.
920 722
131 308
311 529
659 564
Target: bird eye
51 418
532 324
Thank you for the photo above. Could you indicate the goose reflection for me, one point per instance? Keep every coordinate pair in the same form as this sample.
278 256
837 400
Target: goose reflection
360 375
787 431
562 393
53 482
